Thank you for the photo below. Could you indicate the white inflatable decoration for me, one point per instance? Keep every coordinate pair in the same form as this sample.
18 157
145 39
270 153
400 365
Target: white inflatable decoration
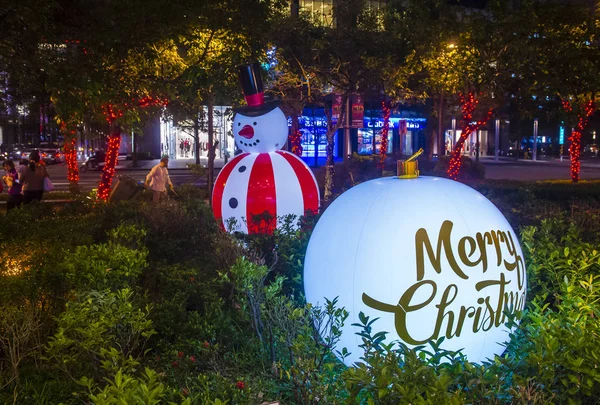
263 179
429 257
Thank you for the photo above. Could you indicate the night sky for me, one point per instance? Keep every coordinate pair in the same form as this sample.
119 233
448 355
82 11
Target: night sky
470 3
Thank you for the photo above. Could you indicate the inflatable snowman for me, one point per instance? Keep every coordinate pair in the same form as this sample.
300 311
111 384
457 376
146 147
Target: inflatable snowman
262 183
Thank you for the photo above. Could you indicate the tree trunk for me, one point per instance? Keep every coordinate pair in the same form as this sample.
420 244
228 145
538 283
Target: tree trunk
134 148
385 106
197 138
295 138
329 164
468 108
575 147
70 150
212 145
112 155
574 152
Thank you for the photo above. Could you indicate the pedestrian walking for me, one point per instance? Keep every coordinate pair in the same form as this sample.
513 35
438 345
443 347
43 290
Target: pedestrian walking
11 179
22 166
32 179
158 179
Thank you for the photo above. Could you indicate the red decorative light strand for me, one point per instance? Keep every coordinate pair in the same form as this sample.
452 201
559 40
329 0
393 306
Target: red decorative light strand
383 146
468 107
149 101
575 138
296 143
112 114
114 143
70 152
112 154
71 159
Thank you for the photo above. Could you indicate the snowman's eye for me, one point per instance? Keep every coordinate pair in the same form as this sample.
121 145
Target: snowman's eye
254 123
239 124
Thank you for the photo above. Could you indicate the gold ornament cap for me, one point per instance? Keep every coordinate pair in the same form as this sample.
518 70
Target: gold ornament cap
409 168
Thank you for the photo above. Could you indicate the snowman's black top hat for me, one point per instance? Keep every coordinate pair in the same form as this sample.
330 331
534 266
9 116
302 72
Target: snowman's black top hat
251 82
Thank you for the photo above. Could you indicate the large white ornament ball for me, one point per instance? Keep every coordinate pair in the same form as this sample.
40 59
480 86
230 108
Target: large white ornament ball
429 257
261 134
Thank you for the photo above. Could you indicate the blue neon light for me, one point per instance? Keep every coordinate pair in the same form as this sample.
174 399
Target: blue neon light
561 135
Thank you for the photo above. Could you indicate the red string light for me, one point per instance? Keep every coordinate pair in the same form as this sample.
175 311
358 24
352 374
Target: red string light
149 101
70 153
575 138
468 107
114 143
71 158
112 154
111 114
296 143
383 146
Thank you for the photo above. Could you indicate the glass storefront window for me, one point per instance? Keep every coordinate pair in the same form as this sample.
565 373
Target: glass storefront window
378 135
408 146
322 10
365 141
177 140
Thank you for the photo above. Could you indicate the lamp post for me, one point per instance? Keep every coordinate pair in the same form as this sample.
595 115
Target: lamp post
535 136
497 140
453 140
440 143
347 126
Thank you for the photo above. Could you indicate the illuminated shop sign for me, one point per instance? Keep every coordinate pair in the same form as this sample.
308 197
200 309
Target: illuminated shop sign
449 266
321 122
411 123
561 135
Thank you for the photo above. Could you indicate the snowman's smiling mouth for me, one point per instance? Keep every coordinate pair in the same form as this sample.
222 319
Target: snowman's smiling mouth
256 142
247 132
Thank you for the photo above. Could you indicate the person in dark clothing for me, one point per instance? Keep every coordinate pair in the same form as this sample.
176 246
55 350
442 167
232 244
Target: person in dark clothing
32 179
11 179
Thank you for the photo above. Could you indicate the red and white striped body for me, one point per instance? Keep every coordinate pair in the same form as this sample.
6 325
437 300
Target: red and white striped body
278 183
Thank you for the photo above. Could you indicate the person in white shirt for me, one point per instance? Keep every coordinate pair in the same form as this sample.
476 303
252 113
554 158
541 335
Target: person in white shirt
158 179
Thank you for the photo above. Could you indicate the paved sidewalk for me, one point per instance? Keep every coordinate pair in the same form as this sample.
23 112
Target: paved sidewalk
174 164
507 160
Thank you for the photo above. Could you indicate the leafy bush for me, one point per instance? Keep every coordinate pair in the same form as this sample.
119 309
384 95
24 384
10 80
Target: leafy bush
98 267
100 333
227 321
127 389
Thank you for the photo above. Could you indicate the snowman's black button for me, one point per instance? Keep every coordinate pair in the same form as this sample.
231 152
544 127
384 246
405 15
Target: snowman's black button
242 169
258 140
233 203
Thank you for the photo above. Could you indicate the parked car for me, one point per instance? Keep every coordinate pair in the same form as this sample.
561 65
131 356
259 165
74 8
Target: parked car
53 152
48 156
590 150
50 153
11 151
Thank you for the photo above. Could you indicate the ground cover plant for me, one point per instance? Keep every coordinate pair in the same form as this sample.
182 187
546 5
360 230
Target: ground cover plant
142 303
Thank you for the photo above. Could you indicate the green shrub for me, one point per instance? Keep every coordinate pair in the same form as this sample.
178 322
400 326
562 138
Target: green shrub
285 249
100 333
229 330
105 266
393 373
296 339
127 389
